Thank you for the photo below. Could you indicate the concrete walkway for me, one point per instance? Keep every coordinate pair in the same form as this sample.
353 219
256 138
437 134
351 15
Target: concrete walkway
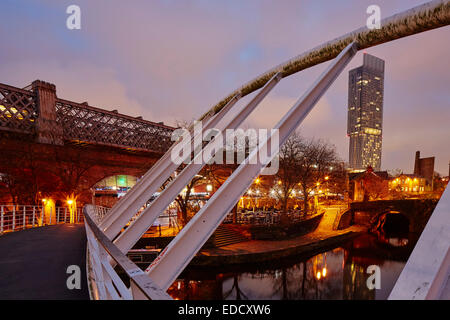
263 250
33 262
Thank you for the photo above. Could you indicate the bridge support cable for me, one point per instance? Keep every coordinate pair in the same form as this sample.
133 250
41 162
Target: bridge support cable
180 251
158 168
137 196
127 239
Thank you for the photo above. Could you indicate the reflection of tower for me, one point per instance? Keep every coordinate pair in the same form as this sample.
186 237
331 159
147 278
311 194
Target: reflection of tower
354 279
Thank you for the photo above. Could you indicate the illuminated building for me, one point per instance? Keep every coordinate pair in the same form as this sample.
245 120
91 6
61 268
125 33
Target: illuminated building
365 114
409 183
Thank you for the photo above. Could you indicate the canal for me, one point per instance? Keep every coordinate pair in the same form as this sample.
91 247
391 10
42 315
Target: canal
338 273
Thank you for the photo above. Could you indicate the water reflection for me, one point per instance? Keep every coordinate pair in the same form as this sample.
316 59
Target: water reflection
339 273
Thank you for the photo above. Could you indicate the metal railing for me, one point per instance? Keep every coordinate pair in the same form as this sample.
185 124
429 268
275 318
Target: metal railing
105 282
21 217
81 122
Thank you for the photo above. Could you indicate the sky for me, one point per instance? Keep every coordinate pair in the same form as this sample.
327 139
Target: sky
169 60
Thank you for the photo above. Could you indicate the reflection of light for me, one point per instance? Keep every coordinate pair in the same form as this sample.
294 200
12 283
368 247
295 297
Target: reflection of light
179 285
318 275
324 272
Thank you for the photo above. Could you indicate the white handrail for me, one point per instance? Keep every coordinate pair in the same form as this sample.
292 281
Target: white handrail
21 217
105 281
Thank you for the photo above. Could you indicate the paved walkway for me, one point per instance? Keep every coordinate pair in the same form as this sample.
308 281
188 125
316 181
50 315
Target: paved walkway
33 262
261 250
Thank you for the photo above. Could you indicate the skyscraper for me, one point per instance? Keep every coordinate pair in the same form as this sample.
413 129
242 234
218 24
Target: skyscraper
365 113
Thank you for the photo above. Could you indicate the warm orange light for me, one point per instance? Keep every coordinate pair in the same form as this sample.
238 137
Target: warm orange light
257 180
318 275
327 177
279 181
69 202
317 184
44 200
324 272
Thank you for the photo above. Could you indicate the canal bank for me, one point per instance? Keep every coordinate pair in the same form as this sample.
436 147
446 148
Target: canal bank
266 250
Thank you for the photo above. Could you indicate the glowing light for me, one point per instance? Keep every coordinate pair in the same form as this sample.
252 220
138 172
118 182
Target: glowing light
44 200
209 187
69 202
327 177
318 275
324 272
279 181
257 180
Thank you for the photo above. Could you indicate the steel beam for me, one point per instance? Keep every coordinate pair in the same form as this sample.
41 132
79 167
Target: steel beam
123 211
176 256
134 232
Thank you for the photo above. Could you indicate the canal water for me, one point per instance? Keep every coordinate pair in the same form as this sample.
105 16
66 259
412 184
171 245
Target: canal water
338 273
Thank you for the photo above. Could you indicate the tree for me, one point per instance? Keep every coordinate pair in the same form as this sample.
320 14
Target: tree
288 174
315 162
184 198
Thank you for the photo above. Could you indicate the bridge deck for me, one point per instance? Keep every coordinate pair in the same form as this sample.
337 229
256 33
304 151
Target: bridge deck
33 262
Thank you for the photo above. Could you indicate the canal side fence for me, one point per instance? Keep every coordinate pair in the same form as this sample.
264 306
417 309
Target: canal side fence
21 217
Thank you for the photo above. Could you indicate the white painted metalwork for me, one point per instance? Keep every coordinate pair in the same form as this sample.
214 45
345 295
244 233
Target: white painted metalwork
176 256
104 282
133 233
427 272
135 198
21 217
170 263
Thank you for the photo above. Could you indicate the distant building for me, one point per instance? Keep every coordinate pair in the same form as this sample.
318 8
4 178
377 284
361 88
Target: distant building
368 185
424 167
409 183
365 114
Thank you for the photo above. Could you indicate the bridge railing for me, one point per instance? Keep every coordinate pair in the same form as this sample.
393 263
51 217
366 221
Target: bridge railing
18 109
81 122
105 282
21 217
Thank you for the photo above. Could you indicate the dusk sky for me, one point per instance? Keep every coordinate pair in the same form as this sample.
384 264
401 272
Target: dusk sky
172 60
